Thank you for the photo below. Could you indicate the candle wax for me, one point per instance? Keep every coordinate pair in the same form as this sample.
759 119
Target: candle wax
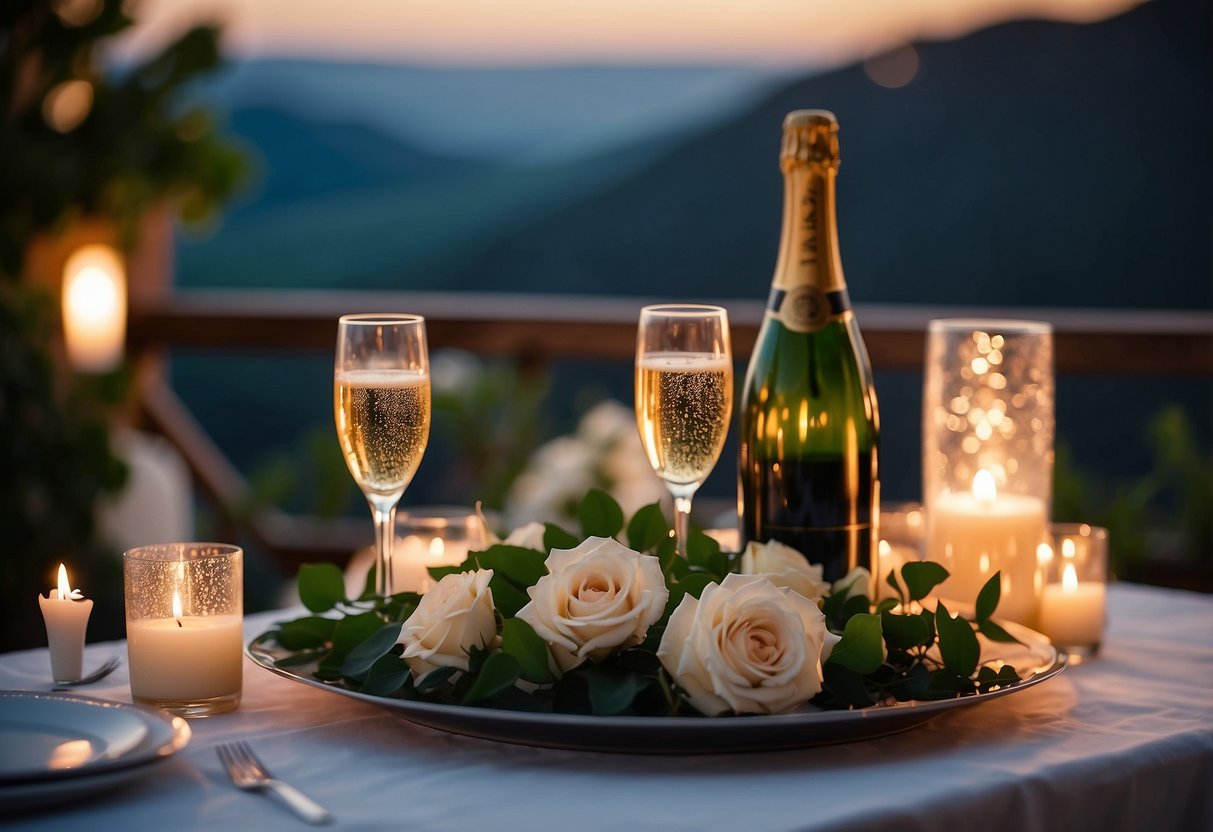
974 538
201 659
1074 617
66 622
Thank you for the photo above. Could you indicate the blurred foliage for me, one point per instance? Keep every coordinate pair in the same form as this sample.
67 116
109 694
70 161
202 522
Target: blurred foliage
56 458
80 140
1165 515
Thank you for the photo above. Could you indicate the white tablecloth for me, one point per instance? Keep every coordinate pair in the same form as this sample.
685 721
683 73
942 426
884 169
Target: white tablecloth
1124 742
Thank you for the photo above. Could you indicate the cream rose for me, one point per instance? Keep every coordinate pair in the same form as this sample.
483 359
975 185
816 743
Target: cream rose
452 618
595 599
529 536
746 646
784 566
856 582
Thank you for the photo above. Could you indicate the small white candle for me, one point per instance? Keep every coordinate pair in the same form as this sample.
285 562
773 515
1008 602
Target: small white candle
65 613
186 657
975 535
94 308
1072 612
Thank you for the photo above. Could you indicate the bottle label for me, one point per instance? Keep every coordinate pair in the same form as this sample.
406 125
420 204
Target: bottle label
807 308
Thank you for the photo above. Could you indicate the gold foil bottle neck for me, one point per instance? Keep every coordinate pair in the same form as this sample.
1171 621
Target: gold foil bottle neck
810 137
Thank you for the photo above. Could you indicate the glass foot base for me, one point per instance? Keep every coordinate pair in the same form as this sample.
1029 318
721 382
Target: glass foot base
1076 654
192 708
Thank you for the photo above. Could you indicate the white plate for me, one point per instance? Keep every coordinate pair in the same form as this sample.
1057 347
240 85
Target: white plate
46 735
1036 660
30 783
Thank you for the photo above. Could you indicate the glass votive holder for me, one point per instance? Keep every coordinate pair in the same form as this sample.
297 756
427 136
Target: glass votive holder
987 456
184 626
902 531
1073 597
425 536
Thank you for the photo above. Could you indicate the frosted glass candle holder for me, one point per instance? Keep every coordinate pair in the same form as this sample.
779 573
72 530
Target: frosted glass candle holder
184 626
987 456
425 536
1073 601
902 527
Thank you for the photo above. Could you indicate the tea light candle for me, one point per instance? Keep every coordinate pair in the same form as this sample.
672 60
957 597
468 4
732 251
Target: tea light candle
1072 611
184 626
185 657
975 535
65 612
413 556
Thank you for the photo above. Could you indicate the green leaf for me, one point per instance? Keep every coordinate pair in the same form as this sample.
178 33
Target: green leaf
437 573
600 515
555 537
855 605
358 661
905 631
507 598
303 633
886 605
352 631
692 584
958 645
861 646
990 679
301 658
386 675
321 586
647 528
994 632
519 640
499 671
947 684
921 577
843 688
524 567
987 599
611 691
435 678
704 552
891 580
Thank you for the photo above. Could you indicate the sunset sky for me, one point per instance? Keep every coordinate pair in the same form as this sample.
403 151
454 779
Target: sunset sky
539 32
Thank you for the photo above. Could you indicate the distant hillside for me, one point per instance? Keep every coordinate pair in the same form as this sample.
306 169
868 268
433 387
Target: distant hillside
1032 163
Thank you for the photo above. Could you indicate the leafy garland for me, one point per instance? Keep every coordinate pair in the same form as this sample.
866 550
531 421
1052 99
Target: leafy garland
894 650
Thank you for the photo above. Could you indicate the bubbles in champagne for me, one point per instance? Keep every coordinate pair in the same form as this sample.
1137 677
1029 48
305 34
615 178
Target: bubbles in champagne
683 405
383 423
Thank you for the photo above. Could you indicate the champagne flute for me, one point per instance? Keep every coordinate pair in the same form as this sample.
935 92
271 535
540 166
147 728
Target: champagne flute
684 397
381 404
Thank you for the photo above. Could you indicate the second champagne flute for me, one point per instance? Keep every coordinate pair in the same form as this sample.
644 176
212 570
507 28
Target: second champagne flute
381 405
684 397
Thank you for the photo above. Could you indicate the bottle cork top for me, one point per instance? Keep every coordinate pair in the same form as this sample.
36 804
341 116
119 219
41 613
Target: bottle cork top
810 136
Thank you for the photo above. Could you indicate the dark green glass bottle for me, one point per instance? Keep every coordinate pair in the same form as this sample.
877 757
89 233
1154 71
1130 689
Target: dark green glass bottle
808 465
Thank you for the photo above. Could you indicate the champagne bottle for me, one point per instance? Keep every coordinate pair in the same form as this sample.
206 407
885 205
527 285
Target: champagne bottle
808 459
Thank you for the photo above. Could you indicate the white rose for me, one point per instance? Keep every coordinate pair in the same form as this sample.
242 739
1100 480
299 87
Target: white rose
595 599
746 646
452 618
856 582
529 536
784 566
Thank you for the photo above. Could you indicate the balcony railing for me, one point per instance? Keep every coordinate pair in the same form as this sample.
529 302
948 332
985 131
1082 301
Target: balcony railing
537 329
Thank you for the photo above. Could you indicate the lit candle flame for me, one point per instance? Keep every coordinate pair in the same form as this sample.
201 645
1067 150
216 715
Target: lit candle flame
1067 548
437 547
65 589
1069 579
984 489
177 607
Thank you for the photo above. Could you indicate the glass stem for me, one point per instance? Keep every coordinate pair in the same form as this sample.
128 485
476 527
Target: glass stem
682 523
384 512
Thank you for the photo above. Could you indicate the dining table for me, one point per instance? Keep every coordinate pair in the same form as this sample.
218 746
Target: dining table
1121 741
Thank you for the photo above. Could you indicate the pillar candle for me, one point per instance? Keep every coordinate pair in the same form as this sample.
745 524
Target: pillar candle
65 613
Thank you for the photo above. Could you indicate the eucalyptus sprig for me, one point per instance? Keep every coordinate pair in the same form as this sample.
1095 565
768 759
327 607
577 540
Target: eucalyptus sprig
895 649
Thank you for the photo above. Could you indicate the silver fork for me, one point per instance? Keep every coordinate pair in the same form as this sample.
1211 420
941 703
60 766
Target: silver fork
247 772
97 675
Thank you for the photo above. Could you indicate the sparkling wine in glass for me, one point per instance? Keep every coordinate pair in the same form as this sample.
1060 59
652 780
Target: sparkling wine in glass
381 405
684 397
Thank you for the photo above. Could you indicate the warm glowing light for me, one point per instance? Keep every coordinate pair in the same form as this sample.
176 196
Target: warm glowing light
885 549
1044 554
77 13
984 489
70 754
1069 579
437 547
177 612
893 69
94 308
67 105
1067 549
980 366
65 589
